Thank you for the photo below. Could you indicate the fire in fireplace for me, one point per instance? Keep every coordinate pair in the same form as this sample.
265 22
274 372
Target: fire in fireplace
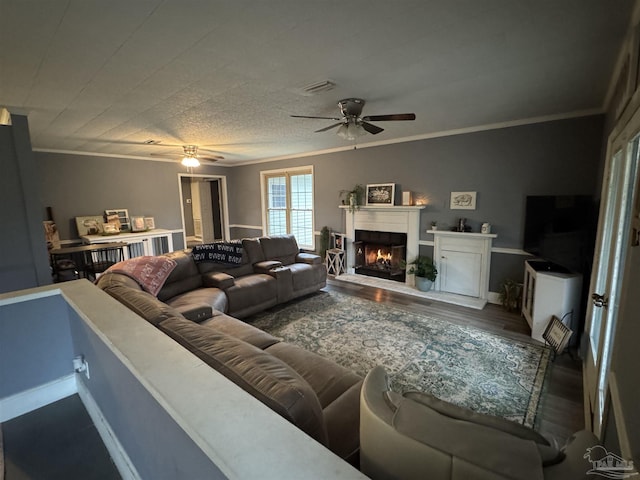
380 254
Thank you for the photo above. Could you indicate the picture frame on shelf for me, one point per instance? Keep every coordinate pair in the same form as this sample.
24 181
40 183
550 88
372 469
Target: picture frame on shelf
137 224
380 194
149 223
463 201
89 225
338 241
111 228
123 218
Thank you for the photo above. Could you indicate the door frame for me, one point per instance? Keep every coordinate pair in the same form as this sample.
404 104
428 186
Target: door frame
224 204
620 140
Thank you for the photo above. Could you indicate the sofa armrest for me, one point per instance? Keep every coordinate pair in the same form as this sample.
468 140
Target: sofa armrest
218 280
266 266
460 413
309 258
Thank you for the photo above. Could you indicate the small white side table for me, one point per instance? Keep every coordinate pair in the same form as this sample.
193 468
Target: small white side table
334 259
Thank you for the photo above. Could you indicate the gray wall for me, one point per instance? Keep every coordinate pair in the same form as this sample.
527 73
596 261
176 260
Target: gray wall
23 251
157 446
503 166
76 185
35 344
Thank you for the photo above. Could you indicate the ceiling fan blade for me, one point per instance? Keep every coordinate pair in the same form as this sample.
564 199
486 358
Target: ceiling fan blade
329 127
322 118
167 155
387 118
371 128
211 158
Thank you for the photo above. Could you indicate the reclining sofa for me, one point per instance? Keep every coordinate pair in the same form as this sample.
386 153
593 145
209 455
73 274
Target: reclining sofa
199 306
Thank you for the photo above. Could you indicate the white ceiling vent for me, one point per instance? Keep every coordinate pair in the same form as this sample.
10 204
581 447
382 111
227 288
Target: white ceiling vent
318 87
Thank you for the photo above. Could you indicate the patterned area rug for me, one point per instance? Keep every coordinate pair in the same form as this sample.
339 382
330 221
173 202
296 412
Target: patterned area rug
459 364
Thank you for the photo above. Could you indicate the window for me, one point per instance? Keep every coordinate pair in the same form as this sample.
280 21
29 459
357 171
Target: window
288 204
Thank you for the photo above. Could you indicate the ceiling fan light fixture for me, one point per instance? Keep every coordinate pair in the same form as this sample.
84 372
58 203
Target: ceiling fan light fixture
350 131
190 162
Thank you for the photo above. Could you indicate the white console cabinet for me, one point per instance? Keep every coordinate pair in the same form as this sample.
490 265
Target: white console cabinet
463 261
546 293
150 243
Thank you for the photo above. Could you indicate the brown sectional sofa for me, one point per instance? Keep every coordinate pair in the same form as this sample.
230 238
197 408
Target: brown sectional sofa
197 305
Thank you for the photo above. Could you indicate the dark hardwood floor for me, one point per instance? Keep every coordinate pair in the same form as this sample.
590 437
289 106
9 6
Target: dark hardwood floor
560 412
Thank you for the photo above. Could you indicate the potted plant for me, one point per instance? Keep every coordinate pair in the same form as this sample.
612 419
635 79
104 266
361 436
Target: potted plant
434 225
511 295
325 234
425 271
354 197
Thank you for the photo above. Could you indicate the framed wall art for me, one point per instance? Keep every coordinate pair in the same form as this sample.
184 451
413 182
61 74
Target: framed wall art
381 194
122 216
91 225
137 224
463 201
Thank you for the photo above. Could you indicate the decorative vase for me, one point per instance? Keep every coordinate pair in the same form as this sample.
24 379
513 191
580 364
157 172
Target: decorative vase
423 284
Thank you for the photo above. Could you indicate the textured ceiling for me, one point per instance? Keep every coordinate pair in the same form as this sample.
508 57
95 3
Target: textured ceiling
104 76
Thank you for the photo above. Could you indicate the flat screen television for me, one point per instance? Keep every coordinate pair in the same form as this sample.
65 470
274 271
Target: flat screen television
561 229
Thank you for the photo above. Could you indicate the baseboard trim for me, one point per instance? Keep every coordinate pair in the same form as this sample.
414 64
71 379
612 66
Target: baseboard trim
118 454
34 398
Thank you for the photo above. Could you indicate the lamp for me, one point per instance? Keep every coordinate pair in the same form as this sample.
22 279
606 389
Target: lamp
190 162
351 131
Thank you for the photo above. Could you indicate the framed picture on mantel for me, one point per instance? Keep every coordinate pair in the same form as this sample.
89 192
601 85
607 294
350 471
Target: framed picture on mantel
381 194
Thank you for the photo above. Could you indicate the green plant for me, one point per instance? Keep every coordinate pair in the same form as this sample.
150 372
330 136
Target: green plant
422 266
325 234
357 194
511 295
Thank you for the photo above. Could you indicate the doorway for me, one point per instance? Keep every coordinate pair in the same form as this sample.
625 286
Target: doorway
204 208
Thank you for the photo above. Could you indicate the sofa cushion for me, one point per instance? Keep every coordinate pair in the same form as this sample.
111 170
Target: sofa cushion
283 248
214 297
253 250
241 330
142 303
184 278
490 421
196 312
307 276
250 291
328 379
265 377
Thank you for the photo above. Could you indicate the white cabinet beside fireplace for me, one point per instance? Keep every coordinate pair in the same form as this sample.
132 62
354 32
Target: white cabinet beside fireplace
463 261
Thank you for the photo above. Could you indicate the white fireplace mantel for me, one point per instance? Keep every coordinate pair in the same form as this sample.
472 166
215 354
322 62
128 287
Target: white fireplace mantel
400 219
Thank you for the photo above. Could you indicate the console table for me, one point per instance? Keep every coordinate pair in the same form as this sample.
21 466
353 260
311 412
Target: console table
150 243
463 260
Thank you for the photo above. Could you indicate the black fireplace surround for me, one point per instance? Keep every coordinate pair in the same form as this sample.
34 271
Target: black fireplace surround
380 254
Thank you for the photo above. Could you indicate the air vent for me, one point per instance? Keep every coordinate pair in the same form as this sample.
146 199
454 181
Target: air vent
318 87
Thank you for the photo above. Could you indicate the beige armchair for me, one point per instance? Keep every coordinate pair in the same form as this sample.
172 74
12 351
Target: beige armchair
417 436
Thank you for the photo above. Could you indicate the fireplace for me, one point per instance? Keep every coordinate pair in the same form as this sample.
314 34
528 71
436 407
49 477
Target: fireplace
380 254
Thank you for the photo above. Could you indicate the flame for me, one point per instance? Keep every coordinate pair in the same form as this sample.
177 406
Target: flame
386 257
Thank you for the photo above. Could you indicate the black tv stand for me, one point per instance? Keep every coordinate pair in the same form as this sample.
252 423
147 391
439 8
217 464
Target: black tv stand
541 265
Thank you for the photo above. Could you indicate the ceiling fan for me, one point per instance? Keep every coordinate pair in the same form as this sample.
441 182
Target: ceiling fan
190 156
352 125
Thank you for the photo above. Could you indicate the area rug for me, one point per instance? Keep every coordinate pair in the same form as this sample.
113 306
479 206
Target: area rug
460 364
